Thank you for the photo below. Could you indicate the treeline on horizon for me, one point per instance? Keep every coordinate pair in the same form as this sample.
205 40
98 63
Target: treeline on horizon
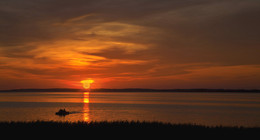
131 90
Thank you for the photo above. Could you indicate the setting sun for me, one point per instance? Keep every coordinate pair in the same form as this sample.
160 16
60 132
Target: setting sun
86 83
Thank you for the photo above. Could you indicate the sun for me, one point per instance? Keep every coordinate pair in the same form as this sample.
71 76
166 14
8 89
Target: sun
86 83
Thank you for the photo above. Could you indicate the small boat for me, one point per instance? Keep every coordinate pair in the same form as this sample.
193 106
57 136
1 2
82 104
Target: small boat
62 112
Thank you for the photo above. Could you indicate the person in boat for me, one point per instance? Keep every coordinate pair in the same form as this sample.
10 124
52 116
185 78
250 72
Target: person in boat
62 112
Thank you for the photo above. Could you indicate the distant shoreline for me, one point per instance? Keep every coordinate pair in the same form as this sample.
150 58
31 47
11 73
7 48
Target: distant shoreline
132 90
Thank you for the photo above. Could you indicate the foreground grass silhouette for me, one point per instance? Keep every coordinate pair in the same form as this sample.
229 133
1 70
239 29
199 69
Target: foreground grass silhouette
125 125
127 129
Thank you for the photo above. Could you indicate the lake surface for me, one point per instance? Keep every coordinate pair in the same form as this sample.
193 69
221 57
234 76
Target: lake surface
228 109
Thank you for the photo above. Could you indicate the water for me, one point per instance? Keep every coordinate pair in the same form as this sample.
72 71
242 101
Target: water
228 109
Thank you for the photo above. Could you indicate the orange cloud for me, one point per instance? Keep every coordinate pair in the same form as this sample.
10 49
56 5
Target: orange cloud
166 45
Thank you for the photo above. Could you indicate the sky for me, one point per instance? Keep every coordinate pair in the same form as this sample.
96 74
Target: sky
159 44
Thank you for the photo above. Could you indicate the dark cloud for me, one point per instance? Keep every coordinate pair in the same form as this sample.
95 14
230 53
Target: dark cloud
33 20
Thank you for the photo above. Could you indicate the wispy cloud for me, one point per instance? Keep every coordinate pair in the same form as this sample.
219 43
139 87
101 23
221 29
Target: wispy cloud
170 41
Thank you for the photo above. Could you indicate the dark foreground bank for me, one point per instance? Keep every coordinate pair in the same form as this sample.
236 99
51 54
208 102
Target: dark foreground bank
126 129
124 125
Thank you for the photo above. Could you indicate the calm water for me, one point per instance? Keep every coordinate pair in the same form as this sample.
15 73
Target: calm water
227 109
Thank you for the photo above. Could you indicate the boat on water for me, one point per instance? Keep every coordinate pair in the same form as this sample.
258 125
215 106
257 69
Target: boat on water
62 112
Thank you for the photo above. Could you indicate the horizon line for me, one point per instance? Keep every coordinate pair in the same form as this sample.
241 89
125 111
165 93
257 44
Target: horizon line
128 90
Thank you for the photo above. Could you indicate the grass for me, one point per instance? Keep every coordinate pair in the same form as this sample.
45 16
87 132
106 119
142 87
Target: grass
126 129
120 124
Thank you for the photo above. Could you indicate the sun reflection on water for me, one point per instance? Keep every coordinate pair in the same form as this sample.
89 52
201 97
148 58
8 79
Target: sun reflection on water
86 106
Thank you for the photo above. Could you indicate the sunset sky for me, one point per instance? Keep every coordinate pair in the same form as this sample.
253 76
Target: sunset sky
130 43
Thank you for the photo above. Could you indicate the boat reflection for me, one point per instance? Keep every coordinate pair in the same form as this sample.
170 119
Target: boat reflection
86 106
